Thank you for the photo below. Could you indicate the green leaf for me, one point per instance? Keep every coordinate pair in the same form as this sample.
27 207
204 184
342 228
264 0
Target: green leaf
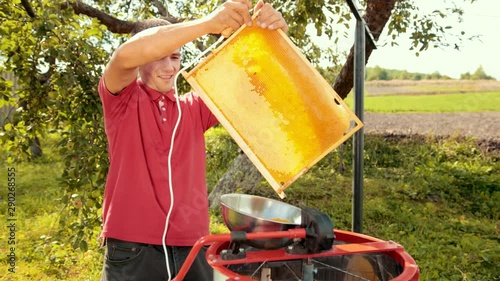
84 246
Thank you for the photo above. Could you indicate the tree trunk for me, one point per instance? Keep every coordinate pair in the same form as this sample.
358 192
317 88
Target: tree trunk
377 14
36 148
241 175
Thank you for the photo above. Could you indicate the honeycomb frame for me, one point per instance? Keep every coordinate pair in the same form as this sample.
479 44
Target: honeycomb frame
229 77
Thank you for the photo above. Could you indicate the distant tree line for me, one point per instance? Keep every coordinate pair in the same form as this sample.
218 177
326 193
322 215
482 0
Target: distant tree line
479 74
378 73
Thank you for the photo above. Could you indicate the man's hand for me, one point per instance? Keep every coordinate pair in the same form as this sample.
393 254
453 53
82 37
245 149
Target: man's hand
230 16
234 13
268 17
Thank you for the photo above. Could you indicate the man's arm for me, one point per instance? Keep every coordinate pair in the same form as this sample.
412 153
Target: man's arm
156 43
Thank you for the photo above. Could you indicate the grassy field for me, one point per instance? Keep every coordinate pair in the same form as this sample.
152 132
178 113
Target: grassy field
430 96
466 102
439 198
429 87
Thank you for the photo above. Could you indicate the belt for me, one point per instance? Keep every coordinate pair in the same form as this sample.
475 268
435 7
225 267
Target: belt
158 247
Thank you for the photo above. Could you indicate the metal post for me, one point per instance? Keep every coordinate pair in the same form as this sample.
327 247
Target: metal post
358 138
362 31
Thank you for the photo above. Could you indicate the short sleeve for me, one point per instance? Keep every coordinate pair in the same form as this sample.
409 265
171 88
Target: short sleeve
208 119
114 104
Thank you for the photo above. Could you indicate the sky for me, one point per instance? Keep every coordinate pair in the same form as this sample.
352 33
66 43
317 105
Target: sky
481 18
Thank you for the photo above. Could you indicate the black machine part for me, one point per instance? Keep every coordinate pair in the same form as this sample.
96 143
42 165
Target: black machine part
319 231
319 236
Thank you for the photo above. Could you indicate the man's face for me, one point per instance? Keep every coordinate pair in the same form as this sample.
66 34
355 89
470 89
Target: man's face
159 75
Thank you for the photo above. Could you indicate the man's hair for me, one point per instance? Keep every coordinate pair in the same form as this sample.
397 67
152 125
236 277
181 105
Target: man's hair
149 23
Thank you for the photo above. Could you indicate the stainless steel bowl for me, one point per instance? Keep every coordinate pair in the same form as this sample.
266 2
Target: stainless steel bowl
249 213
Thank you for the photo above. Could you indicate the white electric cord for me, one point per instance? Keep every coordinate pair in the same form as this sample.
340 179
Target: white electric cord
172 149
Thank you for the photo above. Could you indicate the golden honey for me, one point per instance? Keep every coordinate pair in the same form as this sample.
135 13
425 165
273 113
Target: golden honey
281 220
270 99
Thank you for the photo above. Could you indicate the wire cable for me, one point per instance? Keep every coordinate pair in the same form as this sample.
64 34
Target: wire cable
167 219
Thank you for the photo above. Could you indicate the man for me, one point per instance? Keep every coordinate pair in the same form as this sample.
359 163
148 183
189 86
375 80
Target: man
140 113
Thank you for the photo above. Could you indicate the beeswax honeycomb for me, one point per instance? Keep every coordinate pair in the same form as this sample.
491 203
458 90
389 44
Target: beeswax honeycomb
270 99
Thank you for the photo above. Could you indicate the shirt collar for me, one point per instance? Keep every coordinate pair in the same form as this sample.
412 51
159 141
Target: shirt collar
155 95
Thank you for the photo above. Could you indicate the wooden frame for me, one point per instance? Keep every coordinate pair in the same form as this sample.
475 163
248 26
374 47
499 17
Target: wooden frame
294 72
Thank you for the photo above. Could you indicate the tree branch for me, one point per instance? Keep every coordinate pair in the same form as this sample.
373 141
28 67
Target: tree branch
28 8
161 8
113 24
377 15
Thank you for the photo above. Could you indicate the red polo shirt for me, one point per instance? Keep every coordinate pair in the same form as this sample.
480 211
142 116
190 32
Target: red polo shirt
139 123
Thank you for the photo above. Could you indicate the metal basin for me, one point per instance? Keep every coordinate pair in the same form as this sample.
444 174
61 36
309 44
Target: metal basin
249 213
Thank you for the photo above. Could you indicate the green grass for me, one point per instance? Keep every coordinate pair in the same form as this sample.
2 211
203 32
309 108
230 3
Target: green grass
439 198
42 253
463 102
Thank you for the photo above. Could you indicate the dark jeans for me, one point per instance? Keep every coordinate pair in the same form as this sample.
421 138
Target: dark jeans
129 261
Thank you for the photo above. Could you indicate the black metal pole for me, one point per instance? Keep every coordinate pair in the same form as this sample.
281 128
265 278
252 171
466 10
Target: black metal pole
362 31
358 139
